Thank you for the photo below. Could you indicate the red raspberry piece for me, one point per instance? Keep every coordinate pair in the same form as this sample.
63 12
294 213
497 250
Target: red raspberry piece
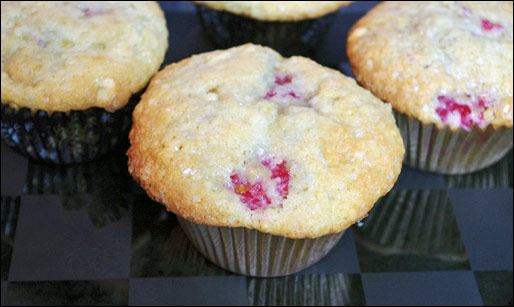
270 93
279 171
443 114
293 94
483 103
452 106
279 81
283 80
252 195
488 26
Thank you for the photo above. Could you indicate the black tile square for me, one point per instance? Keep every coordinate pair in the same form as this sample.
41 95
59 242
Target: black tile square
341 259
485 221
411 178
68 293
332 49
188 291
498 175
410 230
14 167
176 6
10 212
186 29
103 177
160 247
495 287
421 289
306 290
63 239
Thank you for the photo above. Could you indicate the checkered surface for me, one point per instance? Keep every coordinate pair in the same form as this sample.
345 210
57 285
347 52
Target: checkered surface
87 235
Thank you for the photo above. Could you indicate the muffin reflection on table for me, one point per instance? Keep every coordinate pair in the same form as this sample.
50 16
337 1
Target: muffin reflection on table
289 27
69 70
265 160
306 290
413 222
10 210
160 247
446 69
98 186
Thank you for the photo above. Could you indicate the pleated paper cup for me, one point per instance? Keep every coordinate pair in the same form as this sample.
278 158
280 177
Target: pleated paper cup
442 150
226 29
65 137
254 253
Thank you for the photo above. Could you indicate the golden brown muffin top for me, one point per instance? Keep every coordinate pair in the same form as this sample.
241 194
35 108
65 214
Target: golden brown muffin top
245 138
447 63
62 56
276 10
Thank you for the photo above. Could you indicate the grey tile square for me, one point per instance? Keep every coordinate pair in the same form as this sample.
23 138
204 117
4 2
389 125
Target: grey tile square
4 291
341 259
10 211
410 230
498 175
421 289
13 168
495 287
68 293
306 290
188 291
160 247
56 241
485 221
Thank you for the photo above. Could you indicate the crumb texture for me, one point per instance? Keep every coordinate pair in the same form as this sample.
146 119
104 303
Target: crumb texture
62 56
209 144
446 63
276 10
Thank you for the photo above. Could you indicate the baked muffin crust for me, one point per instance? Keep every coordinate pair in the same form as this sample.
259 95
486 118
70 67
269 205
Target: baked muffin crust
245 138
62 56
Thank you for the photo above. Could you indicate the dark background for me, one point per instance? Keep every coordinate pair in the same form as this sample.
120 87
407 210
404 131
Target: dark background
88 235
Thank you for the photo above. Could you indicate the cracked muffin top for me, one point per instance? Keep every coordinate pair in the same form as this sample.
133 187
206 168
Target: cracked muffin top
246 138
446 63
277 10
62 56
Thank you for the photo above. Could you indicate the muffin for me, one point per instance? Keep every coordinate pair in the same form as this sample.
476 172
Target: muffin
70 71
265 160
446 69
290 27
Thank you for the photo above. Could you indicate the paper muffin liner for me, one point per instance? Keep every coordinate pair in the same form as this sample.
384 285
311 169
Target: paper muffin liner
226 30
430 148
416 222
65 137
251 252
